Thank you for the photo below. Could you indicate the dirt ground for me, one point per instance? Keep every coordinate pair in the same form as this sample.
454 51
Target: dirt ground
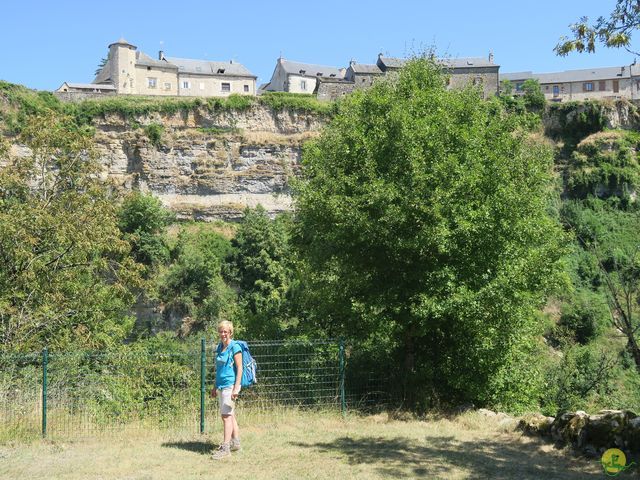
306 446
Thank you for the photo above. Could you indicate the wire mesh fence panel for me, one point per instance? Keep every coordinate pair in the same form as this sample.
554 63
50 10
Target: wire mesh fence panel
20 396
69 394
294 373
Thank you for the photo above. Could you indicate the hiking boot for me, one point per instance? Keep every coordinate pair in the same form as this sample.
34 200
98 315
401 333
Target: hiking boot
223 451
235 444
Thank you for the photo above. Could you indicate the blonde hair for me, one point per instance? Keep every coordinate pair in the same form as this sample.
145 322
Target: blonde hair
226 324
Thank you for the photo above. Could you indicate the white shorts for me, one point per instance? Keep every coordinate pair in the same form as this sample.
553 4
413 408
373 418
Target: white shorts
226 402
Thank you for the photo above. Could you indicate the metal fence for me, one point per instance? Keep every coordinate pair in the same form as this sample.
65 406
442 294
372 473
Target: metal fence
75 393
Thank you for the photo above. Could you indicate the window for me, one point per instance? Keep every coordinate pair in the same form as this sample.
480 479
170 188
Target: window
201 85
616 86
587 87
602 85
226 87
556 90
167 85
186 84
246 88
477 81
519 86
303 84
152 82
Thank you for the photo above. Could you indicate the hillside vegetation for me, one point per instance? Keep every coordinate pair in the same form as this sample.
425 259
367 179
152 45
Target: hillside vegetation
451 241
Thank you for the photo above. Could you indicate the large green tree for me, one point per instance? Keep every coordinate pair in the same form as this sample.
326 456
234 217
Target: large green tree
65 274
423 218
613 32
261 264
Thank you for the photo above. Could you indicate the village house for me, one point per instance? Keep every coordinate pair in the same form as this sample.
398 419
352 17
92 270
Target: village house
585 84
329 83
297 77
130 71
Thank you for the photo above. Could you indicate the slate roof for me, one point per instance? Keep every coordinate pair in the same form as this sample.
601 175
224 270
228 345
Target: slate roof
366 68
516 76
583 75
122 41
205 67
464 62
391 62
146 61
310 69
467 62
91 86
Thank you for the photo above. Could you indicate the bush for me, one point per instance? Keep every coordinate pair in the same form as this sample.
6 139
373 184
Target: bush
153 132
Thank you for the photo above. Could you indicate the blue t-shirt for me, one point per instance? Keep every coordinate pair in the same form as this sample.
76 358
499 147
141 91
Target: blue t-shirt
225 371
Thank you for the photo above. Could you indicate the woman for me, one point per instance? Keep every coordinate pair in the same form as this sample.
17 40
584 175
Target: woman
228 378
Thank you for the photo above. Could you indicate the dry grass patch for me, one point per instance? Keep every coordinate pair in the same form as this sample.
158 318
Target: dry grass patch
299 445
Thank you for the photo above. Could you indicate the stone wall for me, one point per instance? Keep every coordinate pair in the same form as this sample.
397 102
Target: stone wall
328 91
589 434
81 96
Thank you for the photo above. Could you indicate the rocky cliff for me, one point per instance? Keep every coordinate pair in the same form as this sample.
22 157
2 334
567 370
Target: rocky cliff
206 165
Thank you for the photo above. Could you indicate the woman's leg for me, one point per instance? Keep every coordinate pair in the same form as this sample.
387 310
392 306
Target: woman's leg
227 424
235 433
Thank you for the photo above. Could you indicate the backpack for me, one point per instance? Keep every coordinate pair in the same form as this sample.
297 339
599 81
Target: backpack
249 365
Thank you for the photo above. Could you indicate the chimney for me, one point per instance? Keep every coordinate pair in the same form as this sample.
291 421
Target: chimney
490 57
352 62
160 55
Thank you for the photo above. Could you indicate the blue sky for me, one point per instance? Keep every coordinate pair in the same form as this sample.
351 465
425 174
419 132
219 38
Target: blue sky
44 43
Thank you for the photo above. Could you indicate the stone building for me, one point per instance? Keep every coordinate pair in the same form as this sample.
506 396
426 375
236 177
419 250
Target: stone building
133 72
329 83
584 84
297 77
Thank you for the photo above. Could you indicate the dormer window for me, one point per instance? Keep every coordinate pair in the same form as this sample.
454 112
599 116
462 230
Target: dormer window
319 74
332 75
198 69
221 70
302 72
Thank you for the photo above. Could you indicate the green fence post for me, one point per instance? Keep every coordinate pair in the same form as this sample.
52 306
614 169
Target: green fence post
343 401
45 361
203 364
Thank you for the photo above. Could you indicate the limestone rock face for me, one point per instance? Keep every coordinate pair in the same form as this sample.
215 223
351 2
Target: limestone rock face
209 165
206 165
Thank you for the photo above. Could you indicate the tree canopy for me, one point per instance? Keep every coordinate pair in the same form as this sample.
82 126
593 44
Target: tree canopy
65 273
613 32
423 217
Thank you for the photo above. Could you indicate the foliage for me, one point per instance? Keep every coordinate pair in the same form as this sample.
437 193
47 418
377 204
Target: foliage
609 235
65 273
533 96
261 266
612 32
584 377
153 131
576 120
192 285
103 62
506 87
422 215
584 316
22 103
143 220
605 165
